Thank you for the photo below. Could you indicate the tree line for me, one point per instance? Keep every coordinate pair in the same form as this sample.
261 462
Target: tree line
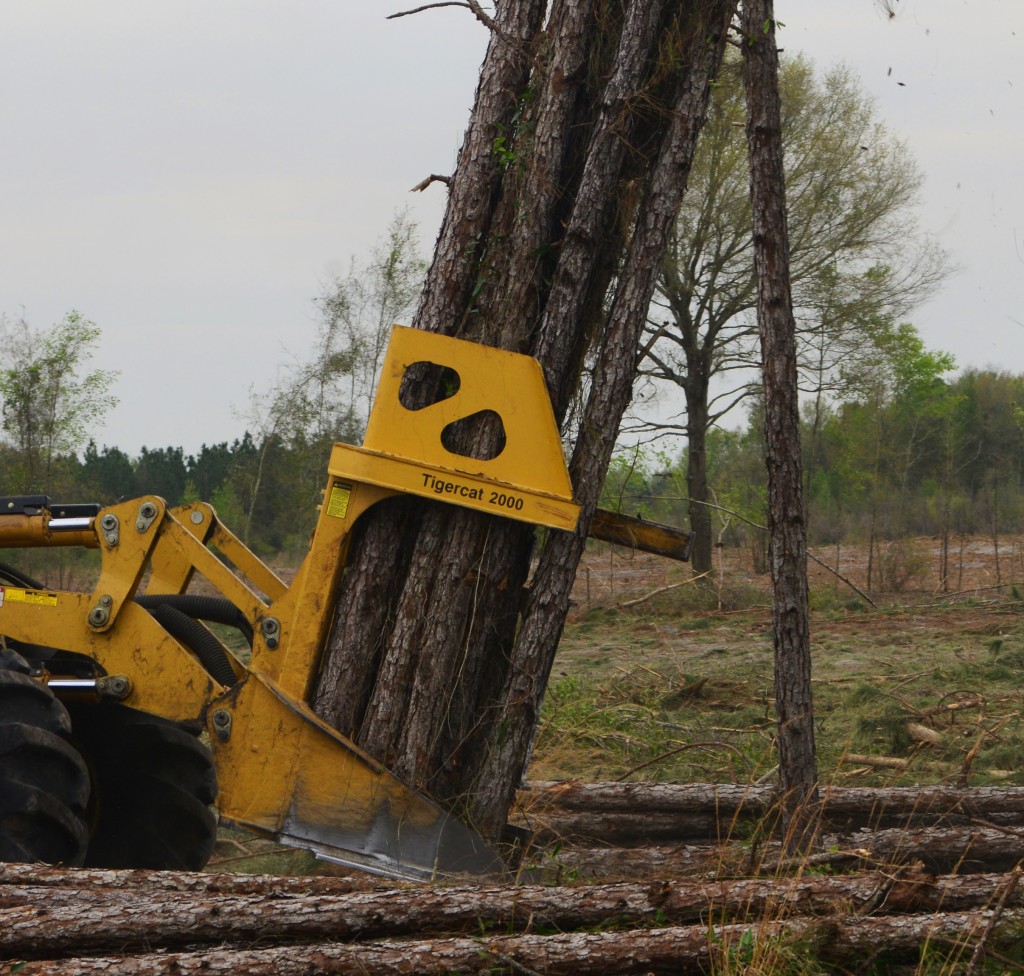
913 453
919 455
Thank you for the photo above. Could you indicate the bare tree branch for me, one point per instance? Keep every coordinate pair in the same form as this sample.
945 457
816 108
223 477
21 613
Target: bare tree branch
433 178
478 12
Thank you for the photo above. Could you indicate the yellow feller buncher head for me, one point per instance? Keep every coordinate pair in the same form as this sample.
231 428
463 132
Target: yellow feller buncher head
103 693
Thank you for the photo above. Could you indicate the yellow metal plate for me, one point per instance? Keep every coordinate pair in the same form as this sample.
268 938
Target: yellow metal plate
36 598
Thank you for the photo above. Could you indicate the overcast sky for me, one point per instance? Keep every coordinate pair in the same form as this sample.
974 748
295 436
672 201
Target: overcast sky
189 175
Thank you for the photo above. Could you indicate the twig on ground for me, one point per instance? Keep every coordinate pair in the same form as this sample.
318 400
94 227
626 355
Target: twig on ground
993 920
661 589
673 752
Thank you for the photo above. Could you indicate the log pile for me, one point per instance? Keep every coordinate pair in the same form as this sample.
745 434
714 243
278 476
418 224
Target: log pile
616 830
927 876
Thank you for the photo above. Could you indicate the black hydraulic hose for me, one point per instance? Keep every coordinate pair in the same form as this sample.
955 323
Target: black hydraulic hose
211 608
17 578
210 651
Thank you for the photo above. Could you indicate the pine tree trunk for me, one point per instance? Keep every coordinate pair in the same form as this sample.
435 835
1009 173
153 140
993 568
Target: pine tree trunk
597 115
697 487
787 529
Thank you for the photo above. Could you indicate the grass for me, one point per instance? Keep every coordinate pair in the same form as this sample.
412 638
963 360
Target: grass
679 687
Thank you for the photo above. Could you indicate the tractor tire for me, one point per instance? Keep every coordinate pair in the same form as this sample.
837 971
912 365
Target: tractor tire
44 783
153 783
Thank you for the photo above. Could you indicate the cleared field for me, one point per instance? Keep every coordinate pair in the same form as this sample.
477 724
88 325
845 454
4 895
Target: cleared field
660 677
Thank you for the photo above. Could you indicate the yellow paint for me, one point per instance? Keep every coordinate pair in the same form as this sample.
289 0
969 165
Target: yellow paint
506 383
35 598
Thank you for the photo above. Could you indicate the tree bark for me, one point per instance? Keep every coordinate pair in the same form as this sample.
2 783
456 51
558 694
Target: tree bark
380 555
939 850
697 486
75 918
578 147
676 950
843 808
798 775
673 142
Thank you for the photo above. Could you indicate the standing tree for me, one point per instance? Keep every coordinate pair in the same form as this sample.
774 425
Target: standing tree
49 409
567 186
854 254
787 531
326 397
357 311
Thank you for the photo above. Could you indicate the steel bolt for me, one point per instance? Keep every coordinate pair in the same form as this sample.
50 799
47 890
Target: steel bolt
270 627
222 724
116 686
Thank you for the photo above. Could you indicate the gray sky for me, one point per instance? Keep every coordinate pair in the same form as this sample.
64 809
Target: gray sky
188 174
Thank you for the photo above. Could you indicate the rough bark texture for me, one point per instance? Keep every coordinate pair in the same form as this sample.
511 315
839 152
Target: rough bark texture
891 894
611 389
83 919
379 559
936 849
725 804
123 923
787 546
697 490
577 154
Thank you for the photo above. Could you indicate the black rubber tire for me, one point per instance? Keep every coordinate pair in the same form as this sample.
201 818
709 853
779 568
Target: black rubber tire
153 783
44 783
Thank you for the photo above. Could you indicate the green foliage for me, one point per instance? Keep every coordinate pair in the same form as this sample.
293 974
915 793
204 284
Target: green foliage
855 260
48 407
162 471
913 453
107 476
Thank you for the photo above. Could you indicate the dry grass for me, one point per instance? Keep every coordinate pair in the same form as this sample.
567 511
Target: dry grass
666 682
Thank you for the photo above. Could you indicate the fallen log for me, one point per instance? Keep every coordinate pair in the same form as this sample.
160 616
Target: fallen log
95 918
938 849
591 864
675 950
74 879
708 809
727 798
625 828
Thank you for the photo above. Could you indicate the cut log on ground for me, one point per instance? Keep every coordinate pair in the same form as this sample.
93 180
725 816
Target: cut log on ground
136 911
65 882
937 849
675 950
654 807
940 849
884 905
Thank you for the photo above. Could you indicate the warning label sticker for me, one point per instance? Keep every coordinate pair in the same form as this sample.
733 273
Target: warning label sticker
37 598
337 504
